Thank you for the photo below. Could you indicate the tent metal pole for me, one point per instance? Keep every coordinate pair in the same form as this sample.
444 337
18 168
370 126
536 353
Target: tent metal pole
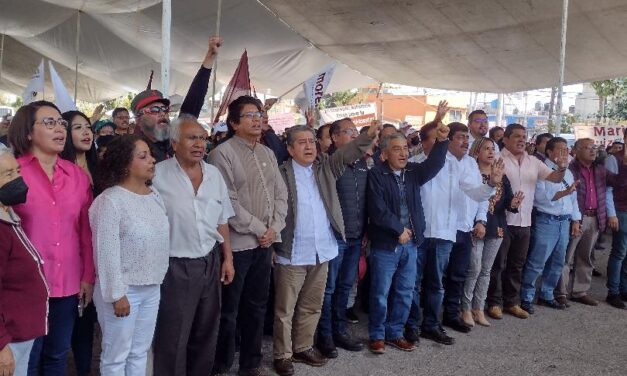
215 62
1 54
499 111
560 91
166 25
78 38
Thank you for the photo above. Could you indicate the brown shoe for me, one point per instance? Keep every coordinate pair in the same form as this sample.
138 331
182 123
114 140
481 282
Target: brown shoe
284 367
479 317
401 343
310 357
585 299
376 346
467 318
495 312
516 311
562 300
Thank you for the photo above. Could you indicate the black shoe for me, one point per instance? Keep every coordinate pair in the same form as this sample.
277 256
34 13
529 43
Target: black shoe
551 304
457 325
623 296
326 346
347 343
615 301
412 335
527 306
351 316
596 273
437 335
283 367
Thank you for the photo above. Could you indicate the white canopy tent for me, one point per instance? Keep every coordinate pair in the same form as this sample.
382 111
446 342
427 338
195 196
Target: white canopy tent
480 45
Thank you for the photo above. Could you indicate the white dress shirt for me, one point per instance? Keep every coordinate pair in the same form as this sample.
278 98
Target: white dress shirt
442 195
194 216
470 210
546 190
314 241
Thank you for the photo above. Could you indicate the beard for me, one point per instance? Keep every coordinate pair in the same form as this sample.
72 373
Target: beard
162 134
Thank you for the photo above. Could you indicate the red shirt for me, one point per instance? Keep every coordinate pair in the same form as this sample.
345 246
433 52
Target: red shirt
55 219
590 201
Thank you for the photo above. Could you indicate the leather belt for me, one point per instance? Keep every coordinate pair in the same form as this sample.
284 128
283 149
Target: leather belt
590 212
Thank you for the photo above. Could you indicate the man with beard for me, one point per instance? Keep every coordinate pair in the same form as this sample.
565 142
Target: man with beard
478 126
541 141
151 110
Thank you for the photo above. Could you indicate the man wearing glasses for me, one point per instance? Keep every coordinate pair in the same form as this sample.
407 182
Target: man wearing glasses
478 126
152 110
121 119
259 198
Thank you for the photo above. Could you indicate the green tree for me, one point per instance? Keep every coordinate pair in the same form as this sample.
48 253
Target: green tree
606 89
339 98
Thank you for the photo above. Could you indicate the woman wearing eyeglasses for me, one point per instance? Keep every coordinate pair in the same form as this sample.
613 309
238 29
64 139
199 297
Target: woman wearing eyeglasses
55 219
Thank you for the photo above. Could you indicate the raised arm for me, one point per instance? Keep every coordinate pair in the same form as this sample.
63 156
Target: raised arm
195 98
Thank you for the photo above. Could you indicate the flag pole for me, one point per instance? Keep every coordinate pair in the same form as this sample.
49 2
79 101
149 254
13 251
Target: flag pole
289 91
215 61
78 38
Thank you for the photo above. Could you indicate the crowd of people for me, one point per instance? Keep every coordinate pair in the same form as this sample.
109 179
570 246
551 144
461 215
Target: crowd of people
188 253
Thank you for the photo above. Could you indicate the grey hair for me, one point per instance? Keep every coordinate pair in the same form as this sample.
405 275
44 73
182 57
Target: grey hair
175 126
291 133
385 141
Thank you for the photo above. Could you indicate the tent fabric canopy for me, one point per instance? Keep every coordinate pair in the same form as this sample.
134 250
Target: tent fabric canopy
480 45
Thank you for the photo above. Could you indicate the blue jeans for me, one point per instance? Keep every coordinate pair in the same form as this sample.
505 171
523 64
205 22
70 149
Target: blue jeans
415 313
617 263
394 270
437 256
456 273
340 280
83 340
546 256
49 353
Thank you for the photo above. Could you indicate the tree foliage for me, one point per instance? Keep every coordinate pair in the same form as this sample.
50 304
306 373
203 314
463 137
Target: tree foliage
339 98
612 98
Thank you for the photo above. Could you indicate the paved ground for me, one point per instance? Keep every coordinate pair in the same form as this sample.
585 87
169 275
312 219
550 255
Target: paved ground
579 341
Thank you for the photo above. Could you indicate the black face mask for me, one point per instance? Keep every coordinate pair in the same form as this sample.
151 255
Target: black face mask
13 192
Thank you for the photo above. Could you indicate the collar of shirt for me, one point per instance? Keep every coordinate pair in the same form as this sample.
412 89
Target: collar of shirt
58 164
244 142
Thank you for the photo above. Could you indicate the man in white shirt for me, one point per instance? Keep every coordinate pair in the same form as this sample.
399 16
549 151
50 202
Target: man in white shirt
440 200
314 218
198 208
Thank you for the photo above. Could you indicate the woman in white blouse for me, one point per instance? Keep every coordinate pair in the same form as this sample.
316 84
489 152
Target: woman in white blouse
130 236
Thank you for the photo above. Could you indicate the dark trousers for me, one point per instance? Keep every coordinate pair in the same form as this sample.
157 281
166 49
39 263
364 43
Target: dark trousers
506 275
49 353
340 280
244 304
83 340
456 274
189 315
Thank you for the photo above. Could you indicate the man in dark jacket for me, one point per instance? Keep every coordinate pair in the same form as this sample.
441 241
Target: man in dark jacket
351 190
396 228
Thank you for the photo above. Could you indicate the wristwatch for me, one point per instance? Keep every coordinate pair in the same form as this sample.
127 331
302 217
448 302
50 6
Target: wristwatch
484 223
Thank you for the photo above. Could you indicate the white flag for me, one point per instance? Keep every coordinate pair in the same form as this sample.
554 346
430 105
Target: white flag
35 85
61 97
316 85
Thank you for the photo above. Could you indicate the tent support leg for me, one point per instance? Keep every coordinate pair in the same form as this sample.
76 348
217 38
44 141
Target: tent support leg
560 90
215 62
166 23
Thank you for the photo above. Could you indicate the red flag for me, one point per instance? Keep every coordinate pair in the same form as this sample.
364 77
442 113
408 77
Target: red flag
239 85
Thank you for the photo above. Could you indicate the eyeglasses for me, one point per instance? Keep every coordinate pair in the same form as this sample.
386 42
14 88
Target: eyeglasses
251 115
590 147
480 120
197 138
50 123
155 110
